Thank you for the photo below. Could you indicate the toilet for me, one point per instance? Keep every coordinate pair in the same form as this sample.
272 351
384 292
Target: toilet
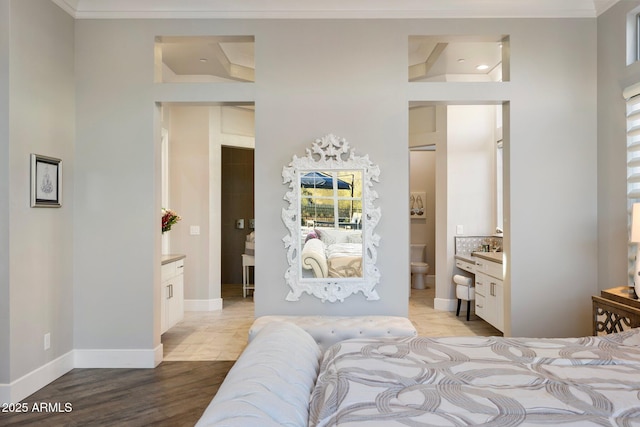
419 268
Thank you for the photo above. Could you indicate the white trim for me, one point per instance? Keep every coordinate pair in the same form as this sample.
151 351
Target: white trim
332 9
158 355
69 6
46 374
203 304
119 358
36 379
443 304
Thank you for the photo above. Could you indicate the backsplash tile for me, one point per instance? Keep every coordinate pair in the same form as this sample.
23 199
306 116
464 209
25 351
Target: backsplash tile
464 245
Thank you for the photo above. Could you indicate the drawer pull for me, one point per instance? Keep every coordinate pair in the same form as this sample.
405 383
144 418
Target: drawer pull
478 306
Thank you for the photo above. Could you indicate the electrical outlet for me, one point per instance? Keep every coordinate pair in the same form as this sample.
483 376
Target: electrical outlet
194 230
47 341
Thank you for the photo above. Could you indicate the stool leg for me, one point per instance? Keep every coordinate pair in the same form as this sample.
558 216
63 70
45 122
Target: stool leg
468 309
458 310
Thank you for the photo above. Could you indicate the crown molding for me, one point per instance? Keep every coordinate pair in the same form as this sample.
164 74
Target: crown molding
332 9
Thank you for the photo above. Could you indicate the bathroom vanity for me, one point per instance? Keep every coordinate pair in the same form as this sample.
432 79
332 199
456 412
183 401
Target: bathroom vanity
171 291
487 267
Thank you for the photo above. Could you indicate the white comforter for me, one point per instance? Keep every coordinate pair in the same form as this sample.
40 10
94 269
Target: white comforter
344 259
477 380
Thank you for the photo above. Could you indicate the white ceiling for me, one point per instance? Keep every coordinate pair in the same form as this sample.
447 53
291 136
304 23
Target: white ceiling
336 9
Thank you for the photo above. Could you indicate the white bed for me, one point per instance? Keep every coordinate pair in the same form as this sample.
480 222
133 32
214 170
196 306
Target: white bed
283 379
334 253
480 381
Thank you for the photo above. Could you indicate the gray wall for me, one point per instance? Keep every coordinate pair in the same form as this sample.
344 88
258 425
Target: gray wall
613 76
189 191
349 78
313 77
117 210
343 77
5 306
37 272
551 233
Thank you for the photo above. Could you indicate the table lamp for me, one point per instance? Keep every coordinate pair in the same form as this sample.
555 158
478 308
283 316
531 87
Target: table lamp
635 238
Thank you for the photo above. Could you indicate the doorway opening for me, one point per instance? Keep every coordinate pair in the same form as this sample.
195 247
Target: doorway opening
195 135
456 156
237 216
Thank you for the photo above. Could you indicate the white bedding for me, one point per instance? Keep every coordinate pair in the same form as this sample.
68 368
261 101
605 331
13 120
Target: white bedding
476 380
344 259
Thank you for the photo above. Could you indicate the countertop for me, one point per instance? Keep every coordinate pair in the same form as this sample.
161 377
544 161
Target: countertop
466 257
166 259
489 256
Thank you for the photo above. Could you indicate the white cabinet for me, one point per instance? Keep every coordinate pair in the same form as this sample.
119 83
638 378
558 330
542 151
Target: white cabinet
171 294
490 293
466 266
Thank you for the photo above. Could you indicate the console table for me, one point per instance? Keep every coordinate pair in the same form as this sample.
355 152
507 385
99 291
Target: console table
615 310
247 261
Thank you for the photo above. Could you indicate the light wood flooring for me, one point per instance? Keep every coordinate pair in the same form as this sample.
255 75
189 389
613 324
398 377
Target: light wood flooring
199 352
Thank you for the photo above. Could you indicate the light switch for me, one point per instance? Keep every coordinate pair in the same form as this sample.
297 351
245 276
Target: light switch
194 230
239 224
459 229
252 223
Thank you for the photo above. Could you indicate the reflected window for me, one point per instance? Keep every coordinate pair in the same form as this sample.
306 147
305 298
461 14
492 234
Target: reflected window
331 199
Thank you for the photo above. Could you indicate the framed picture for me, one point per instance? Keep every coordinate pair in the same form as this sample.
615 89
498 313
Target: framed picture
417 204
46 182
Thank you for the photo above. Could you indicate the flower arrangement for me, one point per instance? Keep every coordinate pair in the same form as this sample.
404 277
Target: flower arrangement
169 218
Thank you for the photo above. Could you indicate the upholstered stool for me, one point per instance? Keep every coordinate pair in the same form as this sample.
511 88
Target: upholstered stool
328 330
464 291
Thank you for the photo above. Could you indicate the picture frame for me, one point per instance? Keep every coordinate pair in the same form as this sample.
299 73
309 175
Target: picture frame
417 204
46 181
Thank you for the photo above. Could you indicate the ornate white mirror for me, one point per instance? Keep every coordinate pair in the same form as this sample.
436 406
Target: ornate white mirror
331 245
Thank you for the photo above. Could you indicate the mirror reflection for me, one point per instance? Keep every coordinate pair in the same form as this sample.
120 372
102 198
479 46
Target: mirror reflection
331 219
331 223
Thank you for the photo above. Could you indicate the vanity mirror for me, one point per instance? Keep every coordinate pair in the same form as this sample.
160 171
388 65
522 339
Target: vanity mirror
331 245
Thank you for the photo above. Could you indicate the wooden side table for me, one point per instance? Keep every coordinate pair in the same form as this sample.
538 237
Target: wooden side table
615 310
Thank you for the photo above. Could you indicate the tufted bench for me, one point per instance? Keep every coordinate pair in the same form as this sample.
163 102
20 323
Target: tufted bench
328 330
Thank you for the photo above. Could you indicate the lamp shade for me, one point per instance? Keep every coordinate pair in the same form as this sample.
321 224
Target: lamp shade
635 223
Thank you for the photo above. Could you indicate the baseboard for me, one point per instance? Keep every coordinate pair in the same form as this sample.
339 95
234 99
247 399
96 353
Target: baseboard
46 374
135 358
36 379
158 355
445 304
203 304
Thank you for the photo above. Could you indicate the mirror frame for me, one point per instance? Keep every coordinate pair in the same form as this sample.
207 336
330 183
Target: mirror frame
331 153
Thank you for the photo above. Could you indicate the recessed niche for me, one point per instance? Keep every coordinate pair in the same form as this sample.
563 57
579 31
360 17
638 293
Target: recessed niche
458 59
204 59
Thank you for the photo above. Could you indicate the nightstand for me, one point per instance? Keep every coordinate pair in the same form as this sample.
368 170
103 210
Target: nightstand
615 310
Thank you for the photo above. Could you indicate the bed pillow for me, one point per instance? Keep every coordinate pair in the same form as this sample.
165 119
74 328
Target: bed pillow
355 237
330 236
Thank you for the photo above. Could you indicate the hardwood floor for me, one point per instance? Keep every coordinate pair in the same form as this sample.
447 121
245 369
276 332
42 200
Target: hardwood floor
173 394
198 354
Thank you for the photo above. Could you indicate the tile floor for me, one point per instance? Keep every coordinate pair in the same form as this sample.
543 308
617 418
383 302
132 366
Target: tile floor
222 335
